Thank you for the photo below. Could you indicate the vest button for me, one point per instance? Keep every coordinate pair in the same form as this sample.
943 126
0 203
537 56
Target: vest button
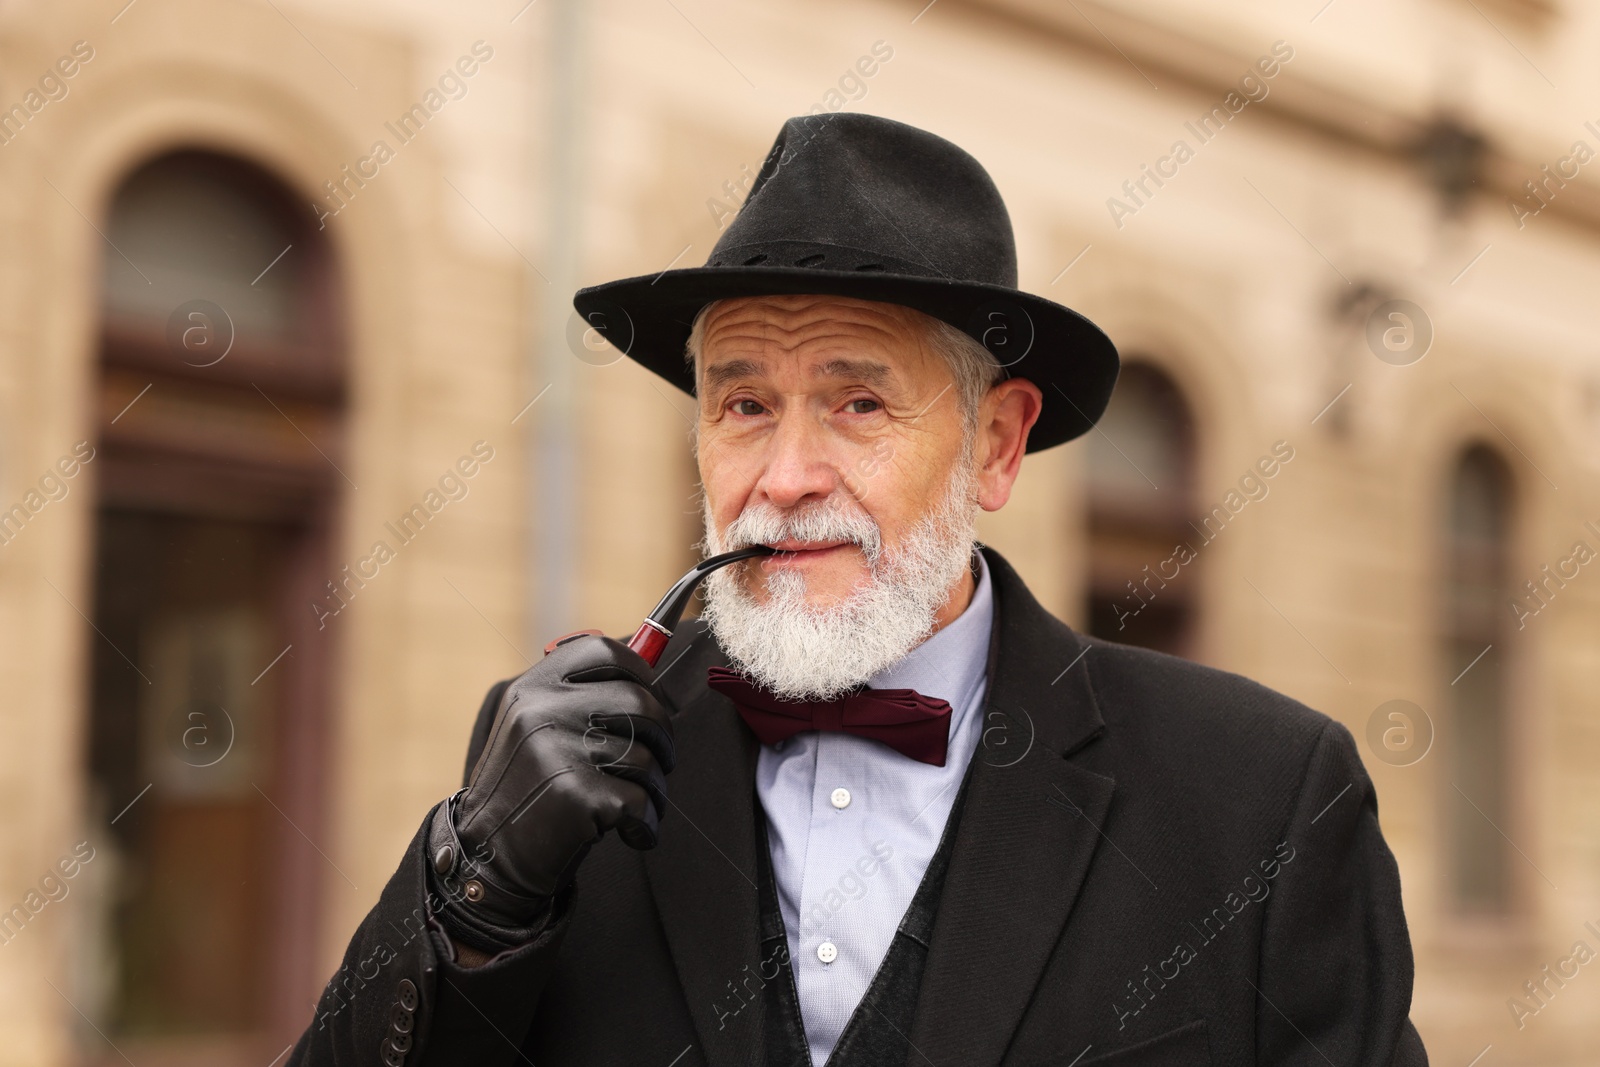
827 952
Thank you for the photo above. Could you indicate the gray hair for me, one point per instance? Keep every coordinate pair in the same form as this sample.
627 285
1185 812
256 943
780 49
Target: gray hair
974 367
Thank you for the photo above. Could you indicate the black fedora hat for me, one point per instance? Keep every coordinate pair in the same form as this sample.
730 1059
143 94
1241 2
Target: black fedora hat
860 206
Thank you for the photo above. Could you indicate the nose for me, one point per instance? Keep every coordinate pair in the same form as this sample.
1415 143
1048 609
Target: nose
797 469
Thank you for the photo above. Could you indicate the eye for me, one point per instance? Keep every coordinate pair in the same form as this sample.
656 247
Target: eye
747 407
863 406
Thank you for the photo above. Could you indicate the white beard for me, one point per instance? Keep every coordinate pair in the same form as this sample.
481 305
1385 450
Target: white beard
801 652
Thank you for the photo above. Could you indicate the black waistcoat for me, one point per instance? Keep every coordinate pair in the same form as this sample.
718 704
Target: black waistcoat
876 1031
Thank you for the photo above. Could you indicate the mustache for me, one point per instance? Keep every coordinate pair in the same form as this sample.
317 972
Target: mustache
832 519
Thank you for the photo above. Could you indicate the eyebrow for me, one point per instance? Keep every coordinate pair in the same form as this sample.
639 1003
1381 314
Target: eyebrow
869 371
720 374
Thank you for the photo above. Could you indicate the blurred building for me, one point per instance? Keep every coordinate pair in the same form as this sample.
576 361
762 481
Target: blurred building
301 448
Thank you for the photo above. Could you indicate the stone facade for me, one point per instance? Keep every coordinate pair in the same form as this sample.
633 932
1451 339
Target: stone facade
1247 269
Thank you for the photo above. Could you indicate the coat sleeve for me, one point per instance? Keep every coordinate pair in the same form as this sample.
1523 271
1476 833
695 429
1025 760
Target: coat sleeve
1335 971
399 1000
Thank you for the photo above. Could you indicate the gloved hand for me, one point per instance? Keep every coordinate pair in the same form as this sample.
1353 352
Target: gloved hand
580 746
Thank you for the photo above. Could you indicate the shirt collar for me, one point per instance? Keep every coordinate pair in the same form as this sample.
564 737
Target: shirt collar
952 663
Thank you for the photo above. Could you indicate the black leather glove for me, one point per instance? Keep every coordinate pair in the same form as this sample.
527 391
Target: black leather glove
580 746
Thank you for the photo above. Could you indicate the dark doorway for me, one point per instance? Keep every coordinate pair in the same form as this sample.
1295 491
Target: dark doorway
1143 548
221 401
1479 743
189 600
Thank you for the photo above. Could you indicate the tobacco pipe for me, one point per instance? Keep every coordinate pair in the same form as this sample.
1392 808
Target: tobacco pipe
653 634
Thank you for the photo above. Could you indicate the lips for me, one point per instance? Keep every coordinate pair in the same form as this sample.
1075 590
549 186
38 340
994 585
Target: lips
792 545
793 553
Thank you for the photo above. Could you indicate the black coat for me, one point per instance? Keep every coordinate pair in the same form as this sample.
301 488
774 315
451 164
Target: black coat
1158 863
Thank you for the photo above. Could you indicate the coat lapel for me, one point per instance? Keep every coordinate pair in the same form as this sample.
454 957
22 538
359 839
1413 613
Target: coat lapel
1025 840
703 870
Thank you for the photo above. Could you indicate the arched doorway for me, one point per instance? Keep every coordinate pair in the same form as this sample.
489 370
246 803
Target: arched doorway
1474 629
220 404
1142 541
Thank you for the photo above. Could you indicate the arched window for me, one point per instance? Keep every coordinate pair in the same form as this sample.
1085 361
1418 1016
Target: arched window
1477 593
220 407
214 266
1141 503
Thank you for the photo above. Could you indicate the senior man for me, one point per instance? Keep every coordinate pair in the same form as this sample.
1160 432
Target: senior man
913 818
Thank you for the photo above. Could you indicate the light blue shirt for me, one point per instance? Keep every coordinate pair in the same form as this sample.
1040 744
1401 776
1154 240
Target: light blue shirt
852 824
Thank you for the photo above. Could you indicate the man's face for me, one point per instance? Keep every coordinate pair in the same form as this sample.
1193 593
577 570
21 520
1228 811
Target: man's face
807 398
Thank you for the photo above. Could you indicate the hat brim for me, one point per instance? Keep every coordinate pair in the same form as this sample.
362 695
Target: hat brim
648 318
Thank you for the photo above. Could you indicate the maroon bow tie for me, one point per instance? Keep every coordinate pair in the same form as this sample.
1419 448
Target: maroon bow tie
904 719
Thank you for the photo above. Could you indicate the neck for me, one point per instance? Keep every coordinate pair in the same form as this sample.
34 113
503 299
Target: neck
958 600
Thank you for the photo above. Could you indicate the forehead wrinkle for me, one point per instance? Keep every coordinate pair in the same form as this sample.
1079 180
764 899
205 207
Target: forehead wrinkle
771 324
799 308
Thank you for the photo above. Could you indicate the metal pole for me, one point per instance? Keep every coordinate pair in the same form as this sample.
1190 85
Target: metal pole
553 458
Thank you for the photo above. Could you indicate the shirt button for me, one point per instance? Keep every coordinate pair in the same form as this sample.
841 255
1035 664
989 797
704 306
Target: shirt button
827 952
841 797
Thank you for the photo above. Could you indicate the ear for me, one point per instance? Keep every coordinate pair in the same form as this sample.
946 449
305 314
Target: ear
1007 413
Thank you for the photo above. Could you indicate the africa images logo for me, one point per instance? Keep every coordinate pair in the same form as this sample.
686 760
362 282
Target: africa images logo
451 85
1252 89
52 87
1257 887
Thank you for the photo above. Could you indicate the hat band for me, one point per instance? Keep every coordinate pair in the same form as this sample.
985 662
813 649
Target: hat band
814 255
